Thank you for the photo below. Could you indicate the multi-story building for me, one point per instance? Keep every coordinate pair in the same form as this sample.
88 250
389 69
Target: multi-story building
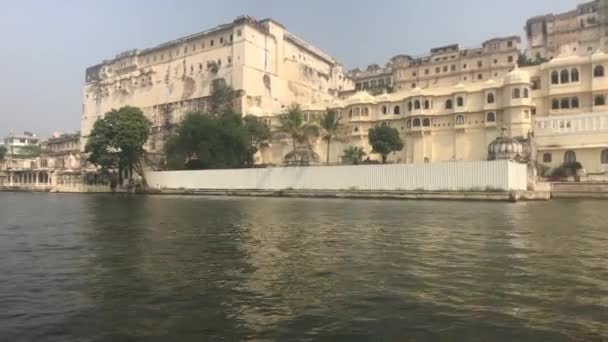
374 78
21 144
61 152
582 30
449 65
269 67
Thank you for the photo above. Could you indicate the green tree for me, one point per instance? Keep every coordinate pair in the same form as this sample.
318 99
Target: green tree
523 60
204 141
3 152
116 141
258 135
330 128
222 97
384 140
353 155
292 123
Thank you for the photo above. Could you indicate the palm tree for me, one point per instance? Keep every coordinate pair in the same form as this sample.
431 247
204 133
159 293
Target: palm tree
330 125
353 155
292 123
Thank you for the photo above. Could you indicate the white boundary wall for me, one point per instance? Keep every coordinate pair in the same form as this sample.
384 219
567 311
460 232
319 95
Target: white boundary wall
447 176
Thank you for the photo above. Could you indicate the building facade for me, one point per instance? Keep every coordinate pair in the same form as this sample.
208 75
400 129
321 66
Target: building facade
581 30
269 67
21 144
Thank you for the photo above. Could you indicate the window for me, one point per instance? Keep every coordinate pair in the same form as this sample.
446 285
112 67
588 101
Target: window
479 64
510 59
526 93
426 123
427 104
547 157
437 70
445 68
491 117
460 101
413 85
569 157
426 71
598 71
211 43
238 33
384 110
416 122
222 40
397 110
356 129
453 67
516 93
409 123
564 76
535 84
565 103
555 104
417 104
413 74
464 66
231 37
490 98
460 120
365 111
384 124
574 102
448 104
599 100
409 106
554 77
509 43
495 61
480 77
229 60
574 75
604 157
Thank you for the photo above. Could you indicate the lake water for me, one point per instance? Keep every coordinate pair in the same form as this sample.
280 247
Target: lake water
120 268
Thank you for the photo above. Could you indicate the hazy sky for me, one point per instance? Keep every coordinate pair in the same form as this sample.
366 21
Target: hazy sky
48 44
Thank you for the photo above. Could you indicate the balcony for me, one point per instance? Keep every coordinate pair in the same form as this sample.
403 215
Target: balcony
571 124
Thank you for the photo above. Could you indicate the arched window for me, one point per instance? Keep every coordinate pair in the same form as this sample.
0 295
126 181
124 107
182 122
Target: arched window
350 113
574 102
409 106
516 93
565 104
564 76
490 98
365 111
555 104
397 110
409 123
427 104
384 110
448 104
604 157
599 100
598 71
426 123
554 77
491 117
416 123
357 111
417 104
569 157
574 75
460 101
460 120
526 93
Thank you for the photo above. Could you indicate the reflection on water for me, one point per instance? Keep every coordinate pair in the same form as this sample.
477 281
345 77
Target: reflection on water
107 268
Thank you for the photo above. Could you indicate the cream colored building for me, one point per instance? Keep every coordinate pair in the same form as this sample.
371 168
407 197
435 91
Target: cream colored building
581 30
270 67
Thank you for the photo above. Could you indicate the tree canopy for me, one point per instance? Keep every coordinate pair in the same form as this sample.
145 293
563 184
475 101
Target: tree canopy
3 152
353 155
117 139
385 140
292 123
330 129
258 135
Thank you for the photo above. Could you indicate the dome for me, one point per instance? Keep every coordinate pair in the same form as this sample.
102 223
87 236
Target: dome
505 148
361 97
516 76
